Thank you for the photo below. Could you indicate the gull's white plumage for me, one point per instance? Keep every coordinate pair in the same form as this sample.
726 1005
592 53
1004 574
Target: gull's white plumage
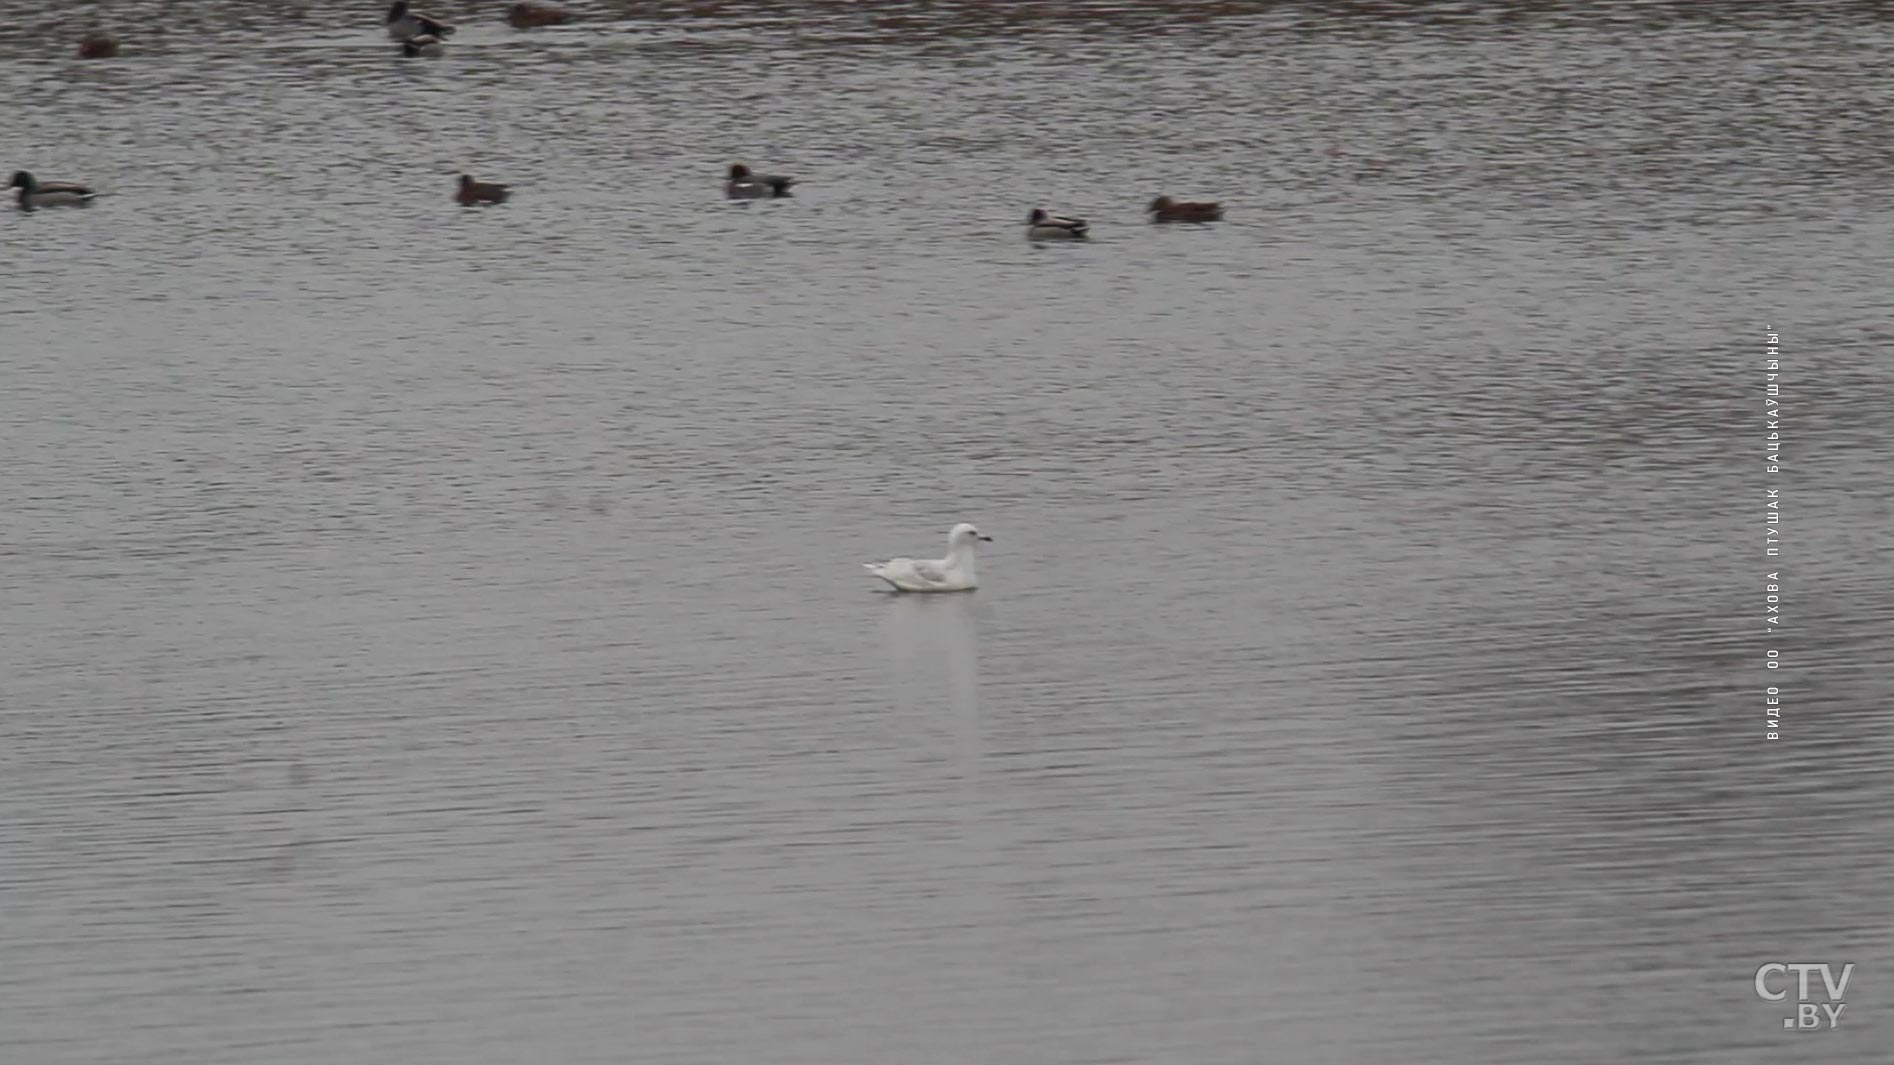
955 573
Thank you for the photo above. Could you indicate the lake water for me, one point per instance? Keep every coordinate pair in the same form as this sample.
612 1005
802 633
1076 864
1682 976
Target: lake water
438 635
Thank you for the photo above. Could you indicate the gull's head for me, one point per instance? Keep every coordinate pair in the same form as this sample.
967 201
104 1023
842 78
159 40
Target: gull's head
965 533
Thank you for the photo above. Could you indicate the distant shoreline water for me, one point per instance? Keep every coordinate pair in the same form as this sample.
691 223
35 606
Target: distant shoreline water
946 17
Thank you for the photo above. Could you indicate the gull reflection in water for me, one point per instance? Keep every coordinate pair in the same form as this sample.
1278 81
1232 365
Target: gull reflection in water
935 661
934 664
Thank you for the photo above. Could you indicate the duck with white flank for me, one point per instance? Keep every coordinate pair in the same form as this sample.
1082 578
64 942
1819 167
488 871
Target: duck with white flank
744 185
424 45
955 573
36 193
404 23
1043 226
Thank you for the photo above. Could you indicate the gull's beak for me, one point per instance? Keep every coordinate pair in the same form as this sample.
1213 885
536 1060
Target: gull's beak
988 539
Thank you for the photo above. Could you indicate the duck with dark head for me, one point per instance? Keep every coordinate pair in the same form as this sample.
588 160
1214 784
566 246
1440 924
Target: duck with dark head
477 192
1043 226
743 185
35 193
404 22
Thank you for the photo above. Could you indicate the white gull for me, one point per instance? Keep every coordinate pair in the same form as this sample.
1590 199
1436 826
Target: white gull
955 573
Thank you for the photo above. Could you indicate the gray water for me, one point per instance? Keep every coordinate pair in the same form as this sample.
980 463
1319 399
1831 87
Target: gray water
438 635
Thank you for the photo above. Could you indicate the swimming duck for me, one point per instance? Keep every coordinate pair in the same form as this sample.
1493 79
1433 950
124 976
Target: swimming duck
403 23
426 45
744 185
473 192
530 13
1043 226
1165 209
35 193
98 46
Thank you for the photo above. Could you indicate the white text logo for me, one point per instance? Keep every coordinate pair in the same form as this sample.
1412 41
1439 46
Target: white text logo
1807 1014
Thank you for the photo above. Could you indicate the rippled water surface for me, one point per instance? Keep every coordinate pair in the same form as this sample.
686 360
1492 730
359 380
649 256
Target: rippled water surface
437 635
